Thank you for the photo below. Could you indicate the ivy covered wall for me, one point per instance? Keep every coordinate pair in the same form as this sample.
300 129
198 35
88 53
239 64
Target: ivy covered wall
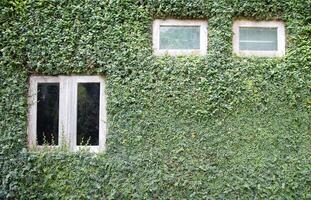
212 127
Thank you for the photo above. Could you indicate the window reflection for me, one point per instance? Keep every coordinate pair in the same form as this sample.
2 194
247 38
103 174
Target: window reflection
47 113
88 114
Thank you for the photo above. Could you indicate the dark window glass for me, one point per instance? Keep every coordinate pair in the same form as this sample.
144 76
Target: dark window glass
88 114
47 113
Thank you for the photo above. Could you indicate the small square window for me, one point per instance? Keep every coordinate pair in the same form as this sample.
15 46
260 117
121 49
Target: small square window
264 38
67 110
179 37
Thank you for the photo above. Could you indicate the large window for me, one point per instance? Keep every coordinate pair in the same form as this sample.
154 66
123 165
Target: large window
264 38
67 110
179 37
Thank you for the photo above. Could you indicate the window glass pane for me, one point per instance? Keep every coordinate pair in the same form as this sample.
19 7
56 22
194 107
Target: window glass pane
258 39
47 113
179 37
88 114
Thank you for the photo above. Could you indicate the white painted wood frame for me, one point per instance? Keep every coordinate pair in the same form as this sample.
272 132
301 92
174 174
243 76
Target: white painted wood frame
102 112
265 24
177 52
67 110
32 112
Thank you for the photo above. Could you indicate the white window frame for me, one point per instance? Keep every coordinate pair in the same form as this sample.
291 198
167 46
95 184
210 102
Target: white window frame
68 86
177 52
258 24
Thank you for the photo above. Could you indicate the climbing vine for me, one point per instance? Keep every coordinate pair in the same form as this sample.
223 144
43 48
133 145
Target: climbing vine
191 127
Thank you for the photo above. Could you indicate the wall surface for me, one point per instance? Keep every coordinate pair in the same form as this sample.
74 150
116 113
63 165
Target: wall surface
208 127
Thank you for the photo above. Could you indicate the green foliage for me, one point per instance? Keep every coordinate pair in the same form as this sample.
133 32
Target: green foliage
210 127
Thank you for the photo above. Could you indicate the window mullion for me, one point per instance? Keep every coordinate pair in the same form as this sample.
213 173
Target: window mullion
72 110
63 115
